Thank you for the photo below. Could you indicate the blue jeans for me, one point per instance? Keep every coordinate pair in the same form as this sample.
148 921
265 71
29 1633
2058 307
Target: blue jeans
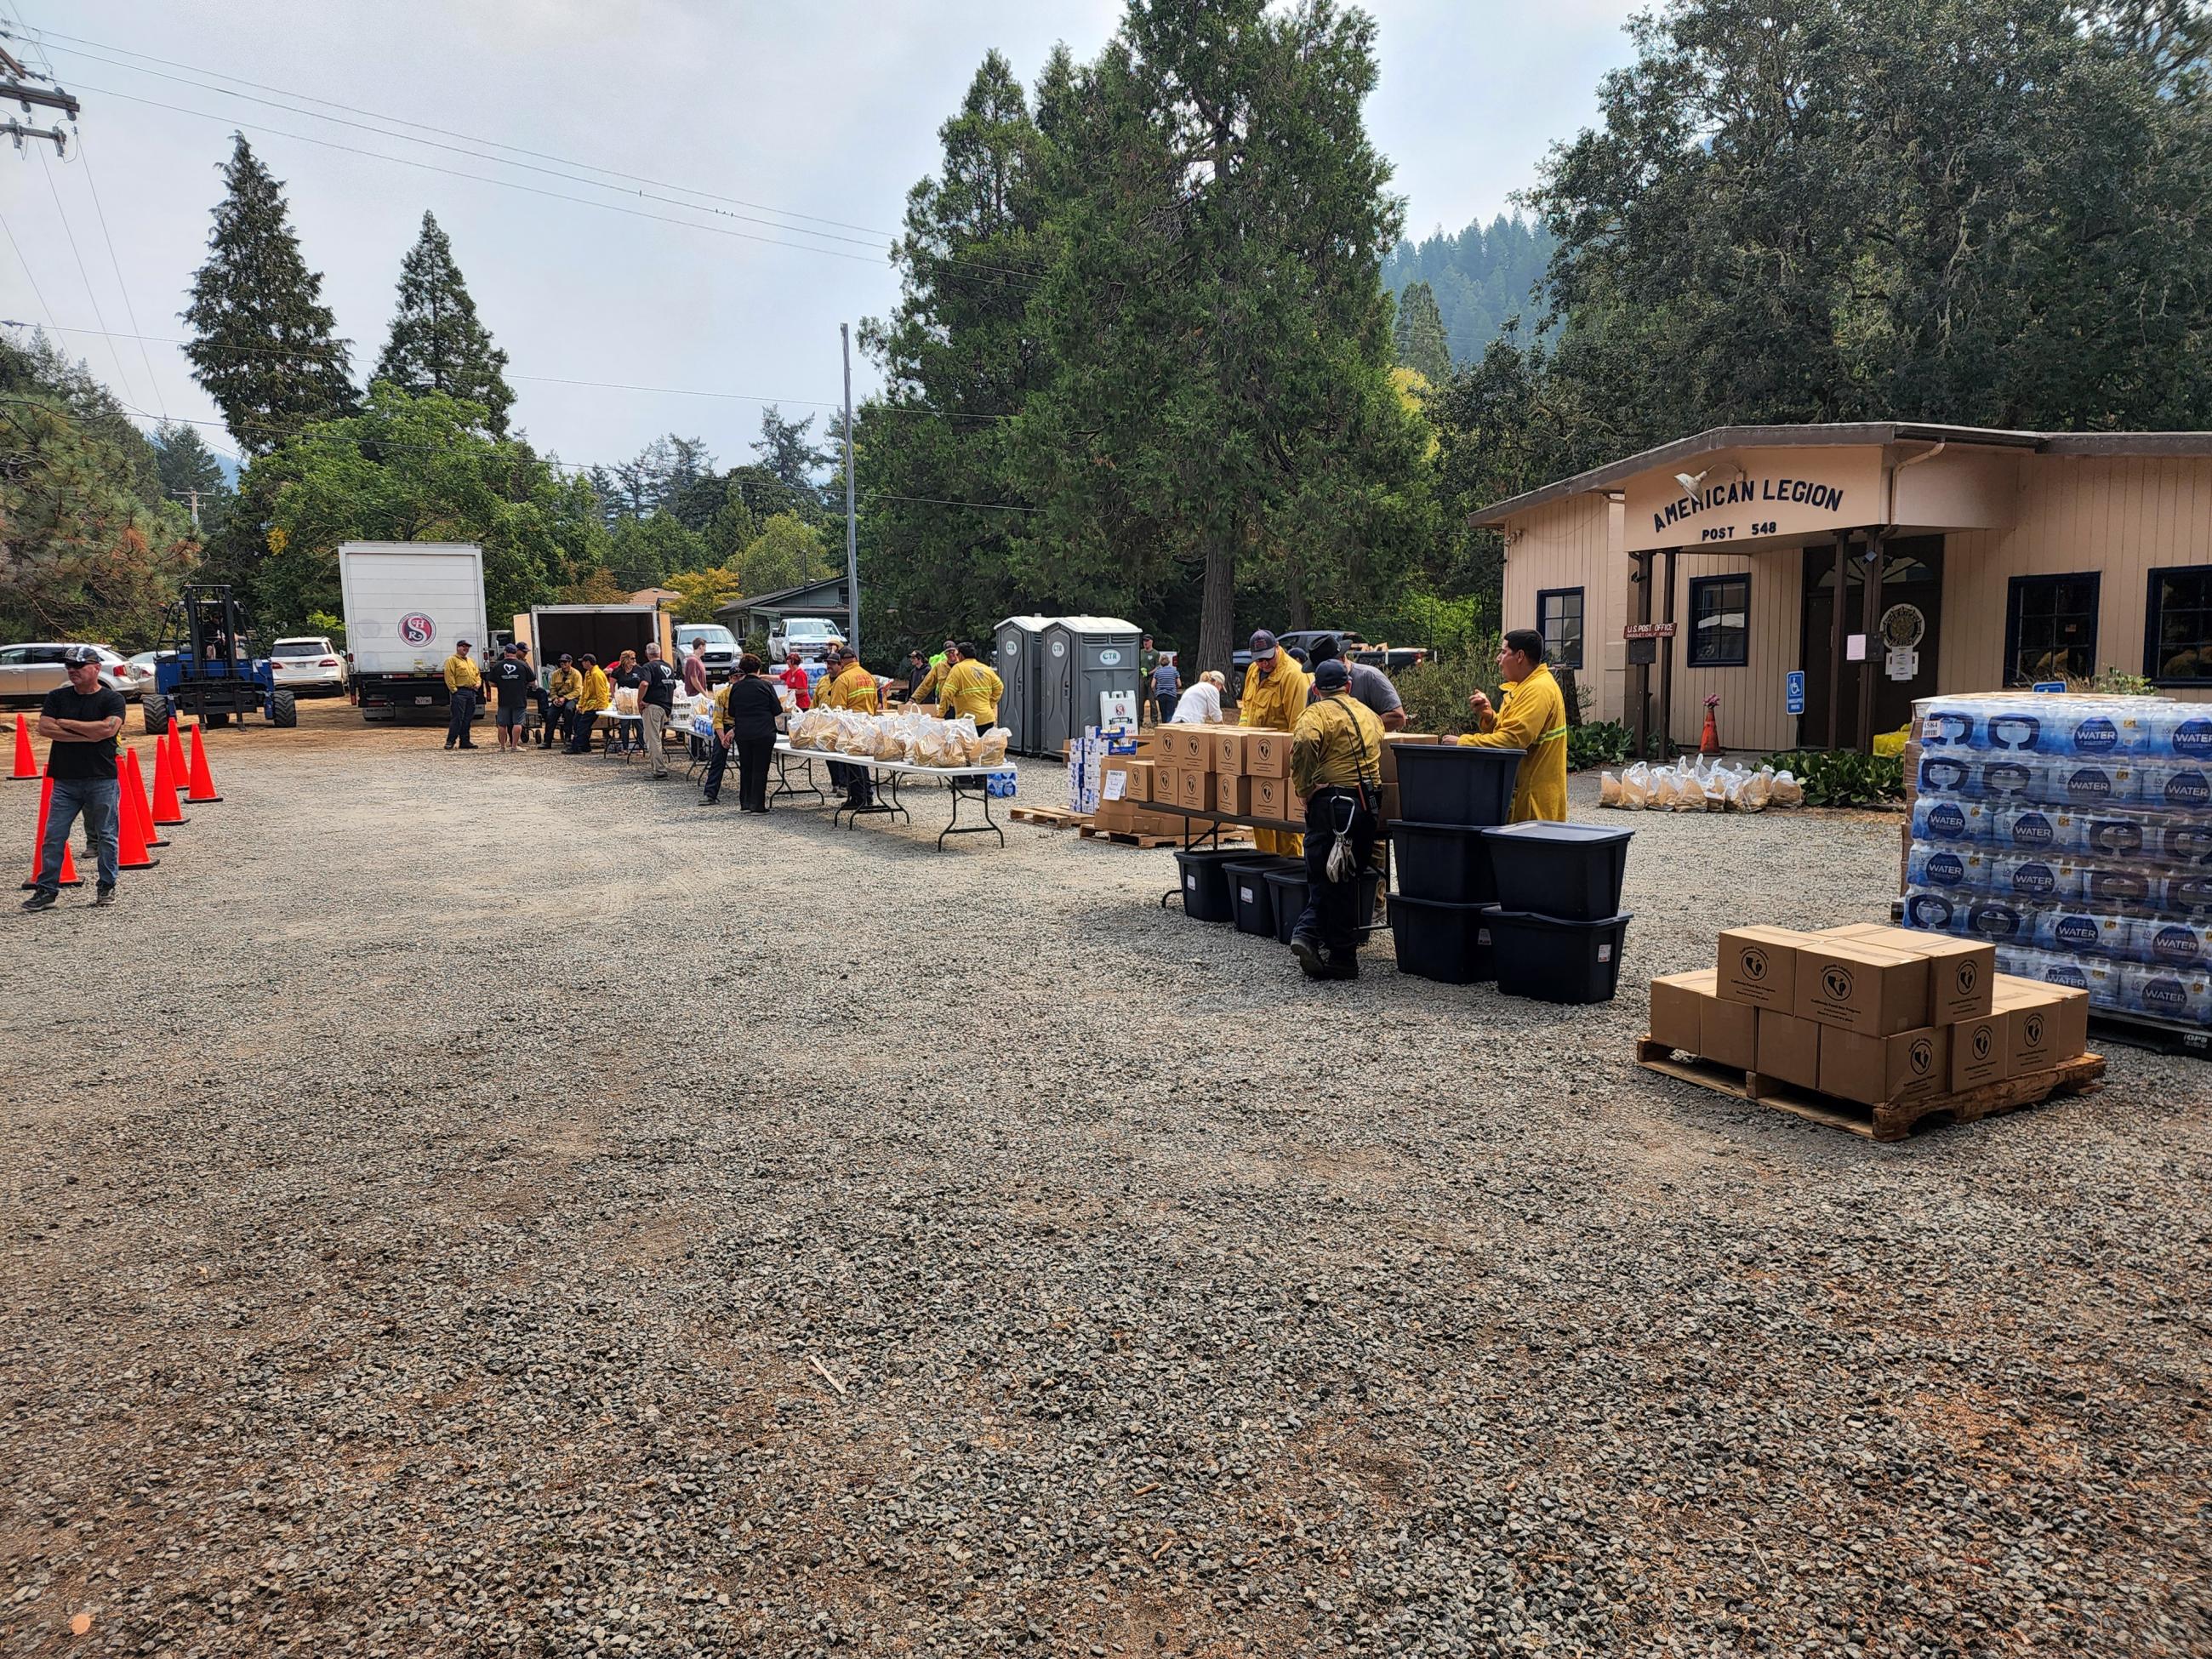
100 801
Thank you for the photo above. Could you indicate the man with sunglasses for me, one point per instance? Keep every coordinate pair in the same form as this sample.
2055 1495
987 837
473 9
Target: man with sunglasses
82 718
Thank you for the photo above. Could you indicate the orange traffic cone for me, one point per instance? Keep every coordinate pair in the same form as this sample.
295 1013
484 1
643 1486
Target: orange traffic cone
1709 741
70 877
131 852
174 738
166 809
133 792
27 763
202 784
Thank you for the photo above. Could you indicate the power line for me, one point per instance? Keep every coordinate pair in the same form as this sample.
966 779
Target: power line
26 264
46 167
586 166
129 310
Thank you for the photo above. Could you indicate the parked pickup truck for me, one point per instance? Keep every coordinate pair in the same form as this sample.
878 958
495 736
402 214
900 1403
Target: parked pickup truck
1390 659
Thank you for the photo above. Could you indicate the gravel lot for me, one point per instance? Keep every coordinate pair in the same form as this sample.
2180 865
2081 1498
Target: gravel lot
468 1204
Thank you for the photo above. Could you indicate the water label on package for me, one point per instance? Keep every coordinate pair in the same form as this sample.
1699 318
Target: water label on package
2089 783
2034 880
2005 777
2096 736
2184 788
2067 974
2164 996
1999 921
1946 869
2176 944
2032 829
1945 819
2193 739
2075 933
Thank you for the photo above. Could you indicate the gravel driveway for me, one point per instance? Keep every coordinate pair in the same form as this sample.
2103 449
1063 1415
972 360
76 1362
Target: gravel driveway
489 1205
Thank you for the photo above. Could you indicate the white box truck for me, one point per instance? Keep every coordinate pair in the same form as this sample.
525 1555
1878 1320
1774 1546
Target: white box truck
406 605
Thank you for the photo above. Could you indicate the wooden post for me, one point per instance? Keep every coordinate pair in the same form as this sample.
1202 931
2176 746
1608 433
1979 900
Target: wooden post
1870 620
1642 677
1666 648
1836 639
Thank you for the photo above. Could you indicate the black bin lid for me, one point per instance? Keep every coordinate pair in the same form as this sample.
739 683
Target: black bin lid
1579 835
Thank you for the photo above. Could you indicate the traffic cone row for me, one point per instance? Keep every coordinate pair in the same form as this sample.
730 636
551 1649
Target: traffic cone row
139 816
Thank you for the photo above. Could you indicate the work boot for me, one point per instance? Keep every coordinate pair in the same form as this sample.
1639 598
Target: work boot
40 902
1307 950
1344 966
102 897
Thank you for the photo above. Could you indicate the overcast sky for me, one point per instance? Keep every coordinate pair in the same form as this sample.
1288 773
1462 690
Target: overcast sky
829 108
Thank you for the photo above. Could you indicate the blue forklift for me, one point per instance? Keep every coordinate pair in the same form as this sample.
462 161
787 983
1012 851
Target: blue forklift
206 665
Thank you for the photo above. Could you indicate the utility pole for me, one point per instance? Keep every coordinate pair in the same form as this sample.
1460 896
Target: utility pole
851 523
14 87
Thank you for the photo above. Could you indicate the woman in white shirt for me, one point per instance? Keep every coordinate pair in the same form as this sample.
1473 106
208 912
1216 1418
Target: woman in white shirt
1202 704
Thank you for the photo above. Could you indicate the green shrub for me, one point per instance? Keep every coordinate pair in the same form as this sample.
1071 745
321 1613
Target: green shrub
1842 777
1596 742
2112 681
1435 692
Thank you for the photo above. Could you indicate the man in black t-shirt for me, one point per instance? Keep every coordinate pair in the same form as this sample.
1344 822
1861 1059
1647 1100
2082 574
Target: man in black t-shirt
82 718
512 682
656 698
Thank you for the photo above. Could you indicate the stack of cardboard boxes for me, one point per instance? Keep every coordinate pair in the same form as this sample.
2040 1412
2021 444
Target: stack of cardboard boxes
1232 771
1868 1014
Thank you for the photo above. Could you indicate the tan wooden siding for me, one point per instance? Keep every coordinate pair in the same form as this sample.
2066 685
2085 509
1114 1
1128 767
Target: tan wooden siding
1569 544
2120 516
1753 711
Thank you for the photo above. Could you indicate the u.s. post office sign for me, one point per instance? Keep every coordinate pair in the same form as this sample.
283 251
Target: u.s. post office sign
1754 494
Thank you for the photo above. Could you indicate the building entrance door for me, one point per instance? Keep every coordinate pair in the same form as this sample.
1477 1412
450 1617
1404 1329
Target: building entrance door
1911 612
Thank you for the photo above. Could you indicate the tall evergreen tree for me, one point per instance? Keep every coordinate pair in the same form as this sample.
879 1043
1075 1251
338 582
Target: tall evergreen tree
787 449
189 469
1418 337
437 342
264 345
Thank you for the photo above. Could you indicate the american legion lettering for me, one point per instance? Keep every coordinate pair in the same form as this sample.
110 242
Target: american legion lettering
1821 497
1754 494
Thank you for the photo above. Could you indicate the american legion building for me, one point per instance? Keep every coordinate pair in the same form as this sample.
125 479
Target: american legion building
1966 560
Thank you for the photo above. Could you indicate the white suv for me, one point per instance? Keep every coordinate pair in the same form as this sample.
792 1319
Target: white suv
810 636
308 664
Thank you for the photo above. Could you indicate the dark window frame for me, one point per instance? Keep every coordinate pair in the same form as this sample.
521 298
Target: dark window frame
1581 623
1700 585
2017 585
2151 621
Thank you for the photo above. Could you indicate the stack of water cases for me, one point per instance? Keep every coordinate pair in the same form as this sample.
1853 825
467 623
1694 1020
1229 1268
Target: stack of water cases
2074 834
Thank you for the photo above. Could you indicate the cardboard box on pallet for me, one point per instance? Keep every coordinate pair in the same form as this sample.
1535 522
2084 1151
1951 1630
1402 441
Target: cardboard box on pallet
1789 1049
1676 1001
1878 1071
1136 781
2072 1037
2045 1025
1228 751
1728 1033
1144 823
1856 987
1759 965
1981 1051
1268 754
1961 972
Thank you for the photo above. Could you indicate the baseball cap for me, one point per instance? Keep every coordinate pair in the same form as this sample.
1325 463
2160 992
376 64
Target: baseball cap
77 655
1331 675
1263 644
458 644
565 657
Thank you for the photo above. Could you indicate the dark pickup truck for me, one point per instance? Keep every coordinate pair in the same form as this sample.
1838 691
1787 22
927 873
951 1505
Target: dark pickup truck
1391 659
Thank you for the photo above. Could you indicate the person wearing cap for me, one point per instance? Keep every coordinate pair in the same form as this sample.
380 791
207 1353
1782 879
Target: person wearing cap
1336 769
81 719
463 685
1148 660
562 691
972 687
1370 684
593 700
798 681
1202 704
932 681
1274 696
1533 718
511 681
656 702
852 688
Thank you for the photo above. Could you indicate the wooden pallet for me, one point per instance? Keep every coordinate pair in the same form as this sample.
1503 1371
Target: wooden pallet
1049 817
1895 1121
1127 837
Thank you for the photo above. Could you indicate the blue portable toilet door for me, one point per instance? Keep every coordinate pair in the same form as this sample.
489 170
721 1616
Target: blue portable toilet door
1062 720
1014 707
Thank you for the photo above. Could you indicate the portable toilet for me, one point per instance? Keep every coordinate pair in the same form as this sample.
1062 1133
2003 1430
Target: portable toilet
1085 658
1017 643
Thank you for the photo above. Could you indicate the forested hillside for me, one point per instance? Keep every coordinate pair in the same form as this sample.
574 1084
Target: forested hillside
1480 278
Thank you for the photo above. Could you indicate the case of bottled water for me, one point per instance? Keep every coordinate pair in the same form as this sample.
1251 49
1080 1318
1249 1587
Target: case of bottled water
2076 834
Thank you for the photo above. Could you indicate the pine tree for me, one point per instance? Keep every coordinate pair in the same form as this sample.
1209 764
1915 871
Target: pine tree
265 349
189 471
787 449
437 342
1418 336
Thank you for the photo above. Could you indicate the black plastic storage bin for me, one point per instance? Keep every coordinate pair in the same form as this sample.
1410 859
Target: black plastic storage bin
1449 862
1249 895
1290 889
1451 943
1570 871
1556 961
1445 783
1205 887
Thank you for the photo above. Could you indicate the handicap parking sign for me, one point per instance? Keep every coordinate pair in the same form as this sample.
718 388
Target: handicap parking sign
1796 691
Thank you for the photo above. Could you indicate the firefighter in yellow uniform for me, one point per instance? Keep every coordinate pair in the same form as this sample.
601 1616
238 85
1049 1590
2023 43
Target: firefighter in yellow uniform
973 688
595 697
934 682
1534 719
1336 769
1275 690
852 688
